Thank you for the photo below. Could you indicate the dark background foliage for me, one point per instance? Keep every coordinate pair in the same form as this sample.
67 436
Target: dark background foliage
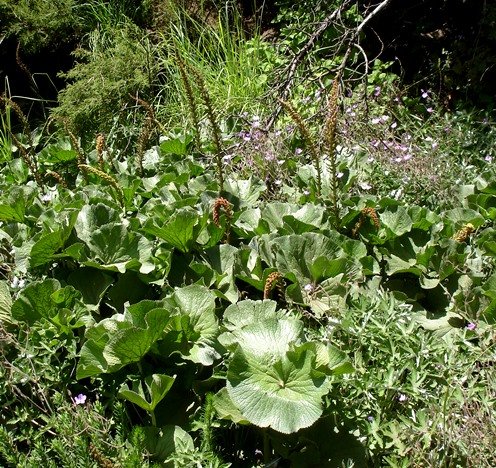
446 44
449 43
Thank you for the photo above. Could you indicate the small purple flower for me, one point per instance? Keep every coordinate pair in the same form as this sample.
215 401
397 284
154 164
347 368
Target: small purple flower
370 418
309 288
402 398
425 94
430 110
376 120
79 399
298 151
394 125
377 91
471 326
488 158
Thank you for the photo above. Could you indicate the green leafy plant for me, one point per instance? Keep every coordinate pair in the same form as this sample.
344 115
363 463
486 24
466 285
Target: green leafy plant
280 385
303 316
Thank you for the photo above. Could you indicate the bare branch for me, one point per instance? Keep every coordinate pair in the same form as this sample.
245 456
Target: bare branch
291 69
298 58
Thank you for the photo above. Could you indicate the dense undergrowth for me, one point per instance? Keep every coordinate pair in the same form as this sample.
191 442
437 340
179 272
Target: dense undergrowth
182 285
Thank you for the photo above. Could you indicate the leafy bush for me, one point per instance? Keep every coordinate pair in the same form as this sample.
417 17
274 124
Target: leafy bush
39 24
402 372
118 63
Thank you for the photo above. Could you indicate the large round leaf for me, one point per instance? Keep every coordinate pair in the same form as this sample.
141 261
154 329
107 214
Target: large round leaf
272 385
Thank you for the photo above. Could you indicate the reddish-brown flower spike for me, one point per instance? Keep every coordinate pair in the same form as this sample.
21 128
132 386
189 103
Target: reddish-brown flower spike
367 212
463 234
225 205
372 214
273 280
100 146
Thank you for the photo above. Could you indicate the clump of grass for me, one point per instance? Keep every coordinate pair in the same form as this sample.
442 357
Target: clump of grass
234 67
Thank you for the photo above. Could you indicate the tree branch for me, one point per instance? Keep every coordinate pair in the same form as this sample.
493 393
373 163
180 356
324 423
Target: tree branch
298 58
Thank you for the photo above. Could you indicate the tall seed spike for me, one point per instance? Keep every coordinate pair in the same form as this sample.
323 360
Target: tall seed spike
307 137
330 142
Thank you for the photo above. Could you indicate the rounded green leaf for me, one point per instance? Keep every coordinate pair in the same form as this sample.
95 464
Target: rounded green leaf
272 385
285 395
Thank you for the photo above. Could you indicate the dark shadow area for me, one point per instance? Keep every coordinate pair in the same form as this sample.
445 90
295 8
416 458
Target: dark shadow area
445 45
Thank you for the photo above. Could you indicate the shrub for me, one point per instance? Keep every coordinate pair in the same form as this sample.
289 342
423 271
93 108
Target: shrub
39 24
117 63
